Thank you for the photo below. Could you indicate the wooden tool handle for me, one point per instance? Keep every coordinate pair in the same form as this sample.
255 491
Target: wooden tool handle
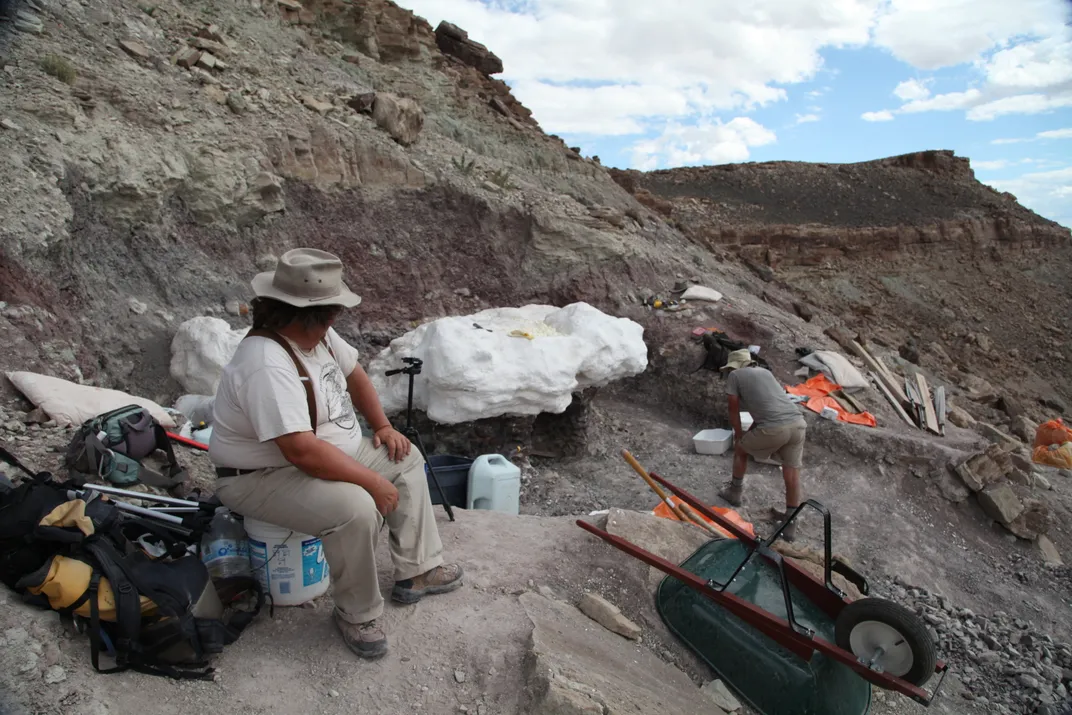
678 511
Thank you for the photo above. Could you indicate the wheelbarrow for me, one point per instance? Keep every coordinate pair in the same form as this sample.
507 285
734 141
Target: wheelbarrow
786 642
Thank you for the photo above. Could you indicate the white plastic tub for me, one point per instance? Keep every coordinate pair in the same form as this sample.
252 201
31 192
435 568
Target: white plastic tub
713 441
746 421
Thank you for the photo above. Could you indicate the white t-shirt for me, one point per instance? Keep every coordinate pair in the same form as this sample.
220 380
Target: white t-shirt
261 397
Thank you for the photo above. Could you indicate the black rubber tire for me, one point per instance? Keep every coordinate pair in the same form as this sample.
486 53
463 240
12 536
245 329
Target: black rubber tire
904 621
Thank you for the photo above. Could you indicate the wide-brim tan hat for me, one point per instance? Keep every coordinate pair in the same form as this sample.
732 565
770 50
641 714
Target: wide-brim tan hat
737 360
306 277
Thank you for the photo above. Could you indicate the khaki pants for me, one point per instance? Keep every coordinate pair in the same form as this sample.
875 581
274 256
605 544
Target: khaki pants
786 441
345 518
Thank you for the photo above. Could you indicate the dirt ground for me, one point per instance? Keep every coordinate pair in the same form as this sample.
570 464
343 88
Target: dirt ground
890 522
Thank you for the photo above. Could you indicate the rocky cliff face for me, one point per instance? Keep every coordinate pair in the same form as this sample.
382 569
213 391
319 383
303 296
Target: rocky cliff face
162 153
808 214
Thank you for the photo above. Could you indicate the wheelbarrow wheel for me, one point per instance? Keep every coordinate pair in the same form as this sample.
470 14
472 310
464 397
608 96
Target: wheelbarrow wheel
874 629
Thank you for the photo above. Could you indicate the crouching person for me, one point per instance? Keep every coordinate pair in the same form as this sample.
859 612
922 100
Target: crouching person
778 430
289 451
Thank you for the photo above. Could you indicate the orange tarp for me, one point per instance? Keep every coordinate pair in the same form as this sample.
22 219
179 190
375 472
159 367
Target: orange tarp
818 386
818 389
666 512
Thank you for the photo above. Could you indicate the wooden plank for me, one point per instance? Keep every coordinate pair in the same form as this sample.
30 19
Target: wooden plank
940 408
893 400
856 404
883 374
928 406
915 402
839 397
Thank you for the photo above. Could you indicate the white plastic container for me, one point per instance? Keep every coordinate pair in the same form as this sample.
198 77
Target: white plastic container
494 484
746 421
713 441
290 565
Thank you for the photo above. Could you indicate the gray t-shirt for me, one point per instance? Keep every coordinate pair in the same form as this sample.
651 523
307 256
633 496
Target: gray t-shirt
762 397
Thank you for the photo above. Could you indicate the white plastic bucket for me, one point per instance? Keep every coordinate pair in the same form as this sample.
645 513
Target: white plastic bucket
290 565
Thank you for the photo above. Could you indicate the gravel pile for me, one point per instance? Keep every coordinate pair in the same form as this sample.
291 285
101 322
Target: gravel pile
1005 664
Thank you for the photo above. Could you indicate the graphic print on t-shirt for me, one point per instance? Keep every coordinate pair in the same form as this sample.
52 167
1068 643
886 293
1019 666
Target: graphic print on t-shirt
336 398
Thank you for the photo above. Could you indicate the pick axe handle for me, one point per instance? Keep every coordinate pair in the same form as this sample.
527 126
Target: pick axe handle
681 513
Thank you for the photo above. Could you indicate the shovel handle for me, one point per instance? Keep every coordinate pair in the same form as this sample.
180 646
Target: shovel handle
678 511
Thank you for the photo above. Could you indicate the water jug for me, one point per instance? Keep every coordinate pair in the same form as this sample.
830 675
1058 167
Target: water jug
494 484
225 546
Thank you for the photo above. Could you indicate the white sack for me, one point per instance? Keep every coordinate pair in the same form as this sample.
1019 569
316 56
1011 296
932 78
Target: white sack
470 373
838 368
701 293
200 350
69 403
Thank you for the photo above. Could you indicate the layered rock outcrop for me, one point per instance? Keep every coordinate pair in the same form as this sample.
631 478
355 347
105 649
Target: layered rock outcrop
793 213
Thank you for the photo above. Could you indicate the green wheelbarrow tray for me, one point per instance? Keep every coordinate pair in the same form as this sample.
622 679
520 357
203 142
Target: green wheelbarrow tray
764 673
789 643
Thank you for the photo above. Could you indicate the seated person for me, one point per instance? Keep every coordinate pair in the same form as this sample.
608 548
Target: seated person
320 475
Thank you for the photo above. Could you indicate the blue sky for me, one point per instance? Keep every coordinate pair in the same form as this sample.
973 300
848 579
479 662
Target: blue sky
691 82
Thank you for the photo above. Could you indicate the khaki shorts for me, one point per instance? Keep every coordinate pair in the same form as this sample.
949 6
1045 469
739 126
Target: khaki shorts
785 441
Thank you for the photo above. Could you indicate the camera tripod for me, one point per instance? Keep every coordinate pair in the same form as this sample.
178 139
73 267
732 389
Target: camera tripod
412 369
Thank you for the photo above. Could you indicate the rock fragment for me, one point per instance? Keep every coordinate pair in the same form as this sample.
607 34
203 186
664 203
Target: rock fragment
608 615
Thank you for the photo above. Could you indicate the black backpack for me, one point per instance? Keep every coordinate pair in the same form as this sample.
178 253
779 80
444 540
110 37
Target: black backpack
111 446
169 617
717 348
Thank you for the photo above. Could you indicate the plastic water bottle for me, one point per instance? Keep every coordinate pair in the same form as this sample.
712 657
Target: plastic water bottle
225 547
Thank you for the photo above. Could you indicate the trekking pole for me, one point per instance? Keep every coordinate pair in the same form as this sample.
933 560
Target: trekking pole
143 496
412 369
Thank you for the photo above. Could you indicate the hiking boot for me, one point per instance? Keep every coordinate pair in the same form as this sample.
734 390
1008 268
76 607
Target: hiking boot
441 579
734 492
367 639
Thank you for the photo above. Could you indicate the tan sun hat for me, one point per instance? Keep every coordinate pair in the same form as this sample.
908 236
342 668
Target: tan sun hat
306 277
738 359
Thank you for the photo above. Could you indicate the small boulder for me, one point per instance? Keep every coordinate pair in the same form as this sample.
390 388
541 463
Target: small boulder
996 436
1050 555
608 615
960 417
316 105
1033 521
454 41
400 117
721 696
1024 428
983 469
1001 504
135 49
362 103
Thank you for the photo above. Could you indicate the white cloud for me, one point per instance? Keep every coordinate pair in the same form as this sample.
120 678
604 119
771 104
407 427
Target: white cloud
929 34
912 89
704 143
805 118
587 67
884 116
990 165
1051 134
1045 192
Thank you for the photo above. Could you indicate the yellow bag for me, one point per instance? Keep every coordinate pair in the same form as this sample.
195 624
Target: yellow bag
64 581
1053 455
